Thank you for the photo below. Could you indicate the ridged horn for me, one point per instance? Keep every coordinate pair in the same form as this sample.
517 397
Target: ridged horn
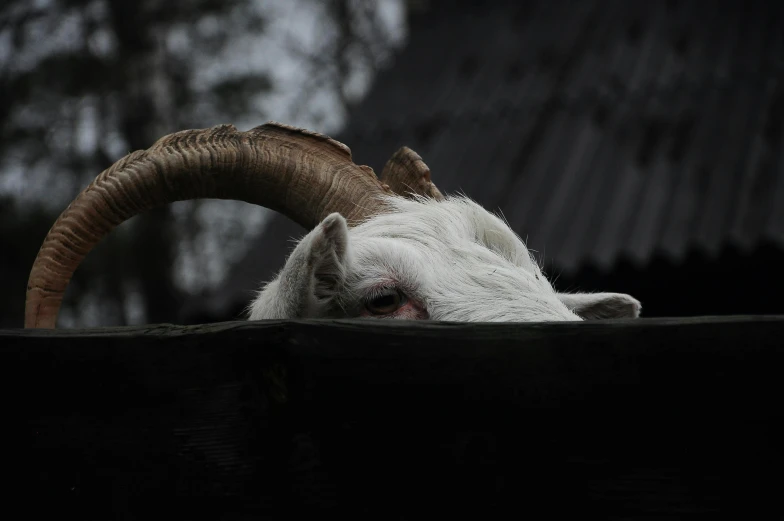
301 174
406 173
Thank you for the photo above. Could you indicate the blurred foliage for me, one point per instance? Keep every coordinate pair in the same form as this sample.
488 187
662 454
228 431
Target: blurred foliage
83 82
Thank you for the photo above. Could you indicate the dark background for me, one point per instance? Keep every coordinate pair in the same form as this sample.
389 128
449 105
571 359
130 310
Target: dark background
637 147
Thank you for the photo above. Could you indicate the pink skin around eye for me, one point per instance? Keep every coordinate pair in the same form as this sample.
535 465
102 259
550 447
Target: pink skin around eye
411 310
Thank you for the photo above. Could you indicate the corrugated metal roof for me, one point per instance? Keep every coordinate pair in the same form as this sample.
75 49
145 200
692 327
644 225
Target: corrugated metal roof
601 129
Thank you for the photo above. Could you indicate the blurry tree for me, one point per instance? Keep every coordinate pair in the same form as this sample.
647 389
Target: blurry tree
83 82
359 40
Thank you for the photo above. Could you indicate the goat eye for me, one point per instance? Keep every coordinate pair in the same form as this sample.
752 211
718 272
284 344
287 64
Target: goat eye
386 303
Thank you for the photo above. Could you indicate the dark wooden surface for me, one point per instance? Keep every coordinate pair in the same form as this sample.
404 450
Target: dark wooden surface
646 419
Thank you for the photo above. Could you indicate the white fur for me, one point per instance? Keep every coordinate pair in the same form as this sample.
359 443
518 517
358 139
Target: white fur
459 261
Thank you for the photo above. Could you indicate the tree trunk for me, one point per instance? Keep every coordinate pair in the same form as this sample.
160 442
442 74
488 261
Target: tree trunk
148 114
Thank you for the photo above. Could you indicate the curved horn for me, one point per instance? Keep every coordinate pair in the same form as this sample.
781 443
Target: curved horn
301 174
405 173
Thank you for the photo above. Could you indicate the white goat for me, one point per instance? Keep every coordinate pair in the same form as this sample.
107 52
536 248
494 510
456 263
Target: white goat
390 249
426 259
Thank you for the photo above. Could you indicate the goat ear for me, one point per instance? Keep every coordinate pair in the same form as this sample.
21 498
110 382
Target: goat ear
593 306
327 257
312 276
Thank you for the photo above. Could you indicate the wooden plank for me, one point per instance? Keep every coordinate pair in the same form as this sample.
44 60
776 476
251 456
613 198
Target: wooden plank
640 419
